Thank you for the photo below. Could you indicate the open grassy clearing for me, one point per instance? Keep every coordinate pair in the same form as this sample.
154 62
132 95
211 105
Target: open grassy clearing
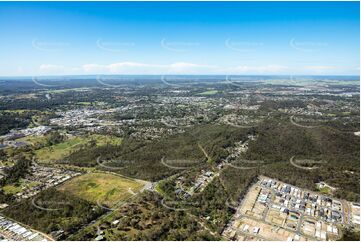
6 163
105 139
62 150
18 187
18 111
77 89
11 189
96 103
35 140
102 188
210 92
325 190
59 151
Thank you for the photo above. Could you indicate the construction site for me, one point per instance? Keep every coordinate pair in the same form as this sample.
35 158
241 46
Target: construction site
273 210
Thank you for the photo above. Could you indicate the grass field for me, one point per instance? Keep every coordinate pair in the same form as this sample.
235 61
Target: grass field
78 89
6 163
18 111
104 188
210 92
15 188
35 140
325 190
104 139
61 150
11 189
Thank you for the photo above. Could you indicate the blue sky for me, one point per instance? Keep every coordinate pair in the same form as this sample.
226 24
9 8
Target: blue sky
291 38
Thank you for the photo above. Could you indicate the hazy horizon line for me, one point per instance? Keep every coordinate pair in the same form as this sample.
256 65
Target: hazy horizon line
205 75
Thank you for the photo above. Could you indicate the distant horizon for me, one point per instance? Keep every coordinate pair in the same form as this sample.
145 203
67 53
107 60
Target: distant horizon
202 75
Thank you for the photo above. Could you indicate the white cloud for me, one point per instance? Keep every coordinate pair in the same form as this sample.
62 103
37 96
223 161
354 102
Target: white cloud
321 69
93 68
50 69
143 68
190 68
257 69
20 70
331 70
131 67
184 68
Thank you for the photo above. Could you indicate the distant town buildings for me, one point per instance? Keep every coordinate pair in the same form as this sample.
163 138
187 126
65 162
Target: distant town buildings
12 231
